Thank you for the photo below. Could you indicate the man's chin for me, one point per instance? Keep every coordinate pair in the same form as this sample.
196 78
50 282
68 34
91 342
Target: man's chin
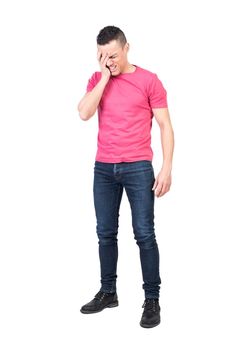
115 73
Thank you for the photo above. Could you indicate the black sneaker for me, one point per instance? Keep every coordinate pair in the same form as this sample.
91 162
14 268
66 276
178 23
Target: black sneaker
151 314
100 302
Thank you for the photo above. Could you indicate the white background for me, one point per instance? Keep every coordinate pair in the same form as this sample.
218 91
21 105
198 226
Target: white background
48 250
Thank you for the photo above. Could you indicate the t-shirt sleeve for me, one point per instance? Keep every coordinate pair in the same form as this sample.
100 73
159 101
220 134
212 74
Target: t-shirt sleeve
157 94
93 80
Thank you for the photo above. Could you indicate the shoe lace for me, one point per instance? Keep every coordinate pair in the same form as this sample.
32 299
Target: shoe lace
150 304
100 295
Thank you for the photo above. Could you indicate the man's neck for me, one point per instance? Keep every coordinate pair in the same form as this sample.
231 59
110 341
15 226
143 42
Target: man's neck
130 68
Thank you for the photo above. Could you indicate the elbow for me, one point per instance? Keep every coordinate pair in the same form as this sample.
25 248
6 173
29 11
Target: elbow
83 116
85 113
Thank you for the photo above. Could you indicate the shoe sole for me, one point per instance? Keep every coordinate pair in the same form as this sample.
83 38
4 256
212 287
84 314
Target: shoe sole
114 304
149 326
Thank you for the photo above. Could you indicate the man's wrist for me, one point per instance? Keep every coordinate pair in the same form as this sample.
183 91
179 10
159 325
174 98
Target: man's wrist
104 79
167 166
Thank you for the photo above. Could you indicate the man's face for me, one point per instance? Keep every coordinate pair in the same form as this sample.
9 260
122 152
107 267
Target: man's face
117 56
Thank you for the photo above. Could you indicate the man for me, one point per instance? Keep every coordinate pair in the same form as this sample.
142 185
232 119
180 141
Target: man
127 97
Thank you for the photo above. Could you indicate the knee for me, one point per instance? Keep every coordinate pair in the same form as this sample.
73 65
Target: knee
147 243
106 240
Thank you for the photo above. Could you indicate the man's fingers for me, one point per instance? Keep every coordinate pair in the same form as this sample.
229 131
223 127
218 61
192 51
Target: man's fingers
165 188
161 185
104 58
162 191
159 189
99 56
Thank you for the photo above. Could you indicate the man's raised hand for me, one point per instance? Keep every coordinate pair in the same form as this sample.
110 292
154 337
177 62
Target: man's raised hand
102 60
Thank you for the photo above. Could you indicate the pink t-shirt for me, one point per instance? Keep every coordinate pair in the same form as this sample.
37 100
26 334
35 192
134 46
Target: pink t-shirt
125 115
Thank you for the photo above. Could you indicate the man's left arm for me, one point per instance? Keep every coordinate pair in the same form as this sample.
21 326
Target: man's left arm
162 182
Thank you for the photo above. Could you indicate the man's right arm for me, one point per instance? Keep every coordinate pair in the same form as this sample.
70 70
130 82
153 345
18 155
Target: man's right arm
89 103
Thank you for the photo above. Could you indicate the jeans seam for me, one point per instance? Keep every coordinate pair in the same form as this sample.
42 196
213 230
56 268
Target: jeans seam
116 206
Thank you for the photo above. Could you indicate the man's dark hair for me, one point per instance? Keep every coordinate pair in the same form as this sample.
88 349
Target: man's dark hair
110 33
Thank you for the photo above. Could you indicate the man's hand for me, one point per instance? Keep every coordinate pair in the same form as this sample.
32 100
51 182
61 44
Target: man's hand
102 60
162 183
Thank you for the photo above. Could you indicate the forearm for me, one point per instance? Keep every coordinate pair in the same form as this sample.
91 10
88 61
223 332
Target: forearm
89 103
167 141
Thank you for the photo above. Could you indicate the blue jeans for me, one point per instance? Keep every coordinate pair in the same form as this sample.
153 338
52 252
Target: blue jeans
137 178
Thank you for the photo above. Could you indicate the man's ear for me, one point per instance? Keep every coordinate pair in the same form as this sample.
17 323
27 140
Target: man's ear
127 47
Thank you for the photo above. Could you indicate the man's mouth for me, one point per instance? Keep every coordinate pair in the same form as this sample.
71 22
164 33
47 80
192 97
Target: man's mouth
112 69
